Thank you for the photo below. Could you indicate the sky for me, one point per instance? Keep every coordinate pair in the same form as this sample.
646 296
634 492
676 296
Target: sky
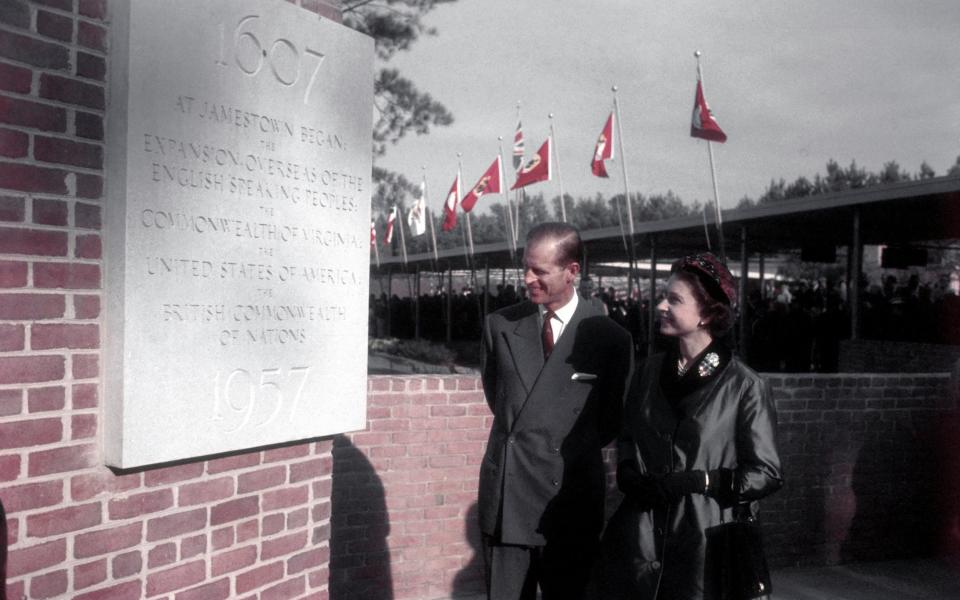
793 84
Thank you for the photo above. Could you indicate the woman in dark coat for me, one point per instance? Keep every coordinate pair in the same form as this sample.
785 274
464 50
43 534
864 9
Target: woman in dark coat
698 446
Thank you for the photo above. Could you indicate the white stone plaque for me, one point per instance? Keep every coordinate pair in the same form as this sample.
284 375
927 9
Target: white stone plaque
237 228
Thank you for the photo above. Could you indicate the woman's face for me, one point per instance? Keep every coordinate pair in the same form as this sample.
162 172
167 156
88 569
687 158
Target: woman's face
679 310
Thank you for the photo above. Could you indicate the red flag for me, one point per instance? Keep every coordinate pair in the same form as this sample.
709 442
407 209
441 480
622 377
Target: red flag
489 183
703 125
450 205
537 169
604 149
373 234
393 217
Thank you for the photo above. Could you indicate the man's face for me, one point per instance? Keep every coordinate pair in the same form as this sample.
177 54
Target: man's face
548 282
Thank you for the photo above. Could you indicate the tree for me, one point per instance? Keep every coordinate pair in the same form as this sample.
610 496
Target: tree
401 108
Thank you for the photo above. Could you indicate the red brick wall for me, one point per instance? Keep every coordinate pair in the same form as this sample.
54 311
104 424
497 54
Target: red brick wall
245 525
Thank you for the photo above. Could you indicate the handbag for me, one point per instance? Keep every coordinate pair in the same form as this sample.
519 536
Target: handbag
735 567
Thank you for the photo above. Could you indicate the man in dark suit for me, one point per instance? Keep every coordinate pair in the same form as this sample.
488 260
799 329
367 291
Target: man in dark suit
554 374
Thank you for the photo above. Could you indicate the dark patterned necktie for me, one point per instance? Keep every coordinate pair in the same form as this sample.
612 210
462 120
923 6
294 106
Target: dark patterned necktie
547 335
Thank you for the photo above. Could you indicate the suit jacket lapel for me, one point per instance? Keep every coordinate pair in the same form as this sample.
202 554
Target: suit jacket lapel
527 350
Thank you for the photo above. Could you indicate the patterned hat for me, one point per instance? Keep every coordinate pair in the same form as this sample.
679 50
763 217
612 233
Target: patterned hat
714 275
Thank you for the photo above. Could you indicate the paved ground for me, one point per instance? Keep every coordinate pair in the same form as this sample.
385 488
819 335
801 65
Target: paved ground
897 580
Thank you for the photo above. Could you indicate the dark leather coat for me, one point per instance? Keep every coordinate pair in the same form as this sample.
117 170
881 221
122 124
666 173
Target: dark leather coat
730 422
542 477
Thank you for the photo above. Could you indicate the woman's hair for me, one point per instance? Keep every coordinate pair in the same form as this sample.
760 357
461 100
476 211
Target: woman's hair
719 315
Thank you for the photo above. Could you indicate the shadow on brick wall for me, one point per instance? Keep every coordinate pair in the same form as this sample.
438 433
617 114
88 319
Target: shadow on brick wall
359 525
469 580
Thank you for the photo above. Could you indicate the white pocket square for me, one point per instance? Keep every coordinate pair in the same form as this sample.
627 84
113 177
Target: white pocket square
583 376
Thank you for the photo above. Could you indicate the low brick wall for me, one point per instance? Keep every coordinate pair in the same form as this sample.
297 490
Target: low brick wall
878 356
864 458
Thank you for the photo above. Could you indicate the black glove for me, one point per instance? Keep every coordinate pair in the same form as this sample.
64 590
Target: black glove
721 486
641 489
677 485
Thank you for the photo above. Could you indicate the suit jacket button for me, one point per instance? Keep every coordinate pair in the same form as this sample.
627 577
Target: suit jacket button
555 482
576 411
512 440
655 565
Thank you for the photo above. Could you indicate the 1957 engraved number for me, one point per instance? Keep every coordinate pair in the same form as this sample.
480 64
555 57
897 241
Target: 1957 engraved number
240 400
282 56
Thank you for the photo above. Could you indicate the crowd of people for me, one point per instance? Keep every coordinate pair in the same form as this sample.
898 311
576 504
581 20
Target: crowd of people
792 326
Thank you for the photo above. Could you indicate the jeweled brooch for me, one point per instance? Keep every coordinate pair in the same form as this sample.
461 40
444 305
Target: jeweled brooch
709 364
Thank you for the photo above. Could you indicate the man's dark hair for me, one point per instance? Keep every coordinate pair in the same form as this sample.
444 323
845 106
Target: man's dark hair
566 237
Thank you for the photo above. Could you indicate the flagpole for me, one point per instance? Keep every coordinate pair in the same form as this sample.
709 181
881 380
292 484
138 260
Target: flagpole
511 243
713 175
556 150
468 230
426 210
403 241
626 188
519 193
376 246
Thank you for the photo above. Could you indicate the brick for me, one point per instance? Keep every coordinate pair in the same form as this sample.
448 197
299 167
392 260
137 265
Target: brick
32 496
88 246
15 79
161 555
174 474
13 144
36 558
205 492
298 518
271 524
89 186
92 36
25 113
83 427
95 9
31 369
248 530
215 590
127 564
50 212
308 470
176 578
45 399
258 577
175 525
67 152
285 498
9 468
55 26
28 178
87 216
106 541
234 510
66 275
85 366
86 307
70 91
233 560
291 588
64 520
13 274
37 242
12 337
12 208
141 504
230 463
31 307
262 479
88 125
16 13
61 460
34 52
49 585
88 574
64 335
65 5
307 560
193 546
129 590
222 538
281 546
24 434
84 395
91 66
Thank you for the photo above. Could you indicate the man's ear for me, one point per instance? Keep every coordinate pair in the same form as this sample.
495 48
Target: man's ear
574 268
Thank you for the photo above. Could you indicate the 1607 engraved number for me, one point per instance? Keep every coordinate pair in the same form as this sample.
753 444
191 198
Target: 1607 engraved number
281 56
240 399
